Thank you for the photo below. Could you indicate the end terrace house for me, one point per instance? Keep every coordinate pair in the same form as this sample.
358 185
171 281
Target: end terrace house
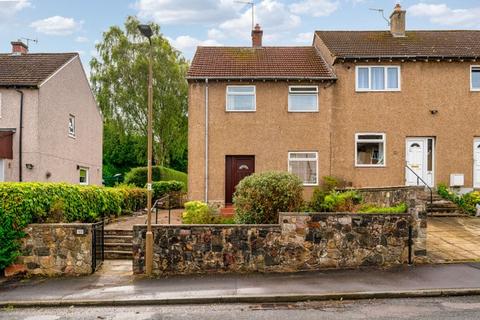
376 108
50 125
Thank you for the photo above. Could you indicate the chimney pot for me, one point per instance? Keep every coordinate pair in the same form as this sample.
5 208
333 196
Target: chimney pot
397 21
257 35
18 47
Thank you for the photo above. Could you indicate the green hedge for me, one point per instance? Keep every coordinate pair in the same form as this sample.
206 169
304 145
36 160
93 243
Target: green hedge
162 188
138 176
466 202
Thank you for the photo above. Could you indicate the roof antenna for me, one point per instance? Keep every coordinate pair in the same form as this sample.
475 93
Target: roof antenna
381 11
28 41
252 3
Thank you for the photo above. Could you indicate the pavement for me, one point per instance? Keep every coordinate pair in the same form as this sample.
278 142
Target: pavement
127 223
453 239
116 286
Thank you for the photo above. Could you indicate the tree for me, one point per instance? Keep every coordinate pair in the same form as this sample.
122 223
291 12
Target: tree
119 78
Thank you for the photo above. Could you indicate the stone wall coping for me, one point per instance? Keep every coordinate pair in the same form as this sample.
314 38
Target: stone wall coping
66 225
276 225
387 188
354 214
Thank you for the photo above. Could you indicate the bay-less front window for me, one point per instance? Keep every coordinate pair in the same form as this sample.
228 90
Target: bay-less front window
241 98
305 166
303 98
370 149
83 175
475 78
378 78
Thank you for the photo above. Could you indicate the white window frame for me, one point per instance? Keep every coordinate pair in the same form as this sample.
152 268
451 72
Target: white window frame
369 89
241 94
290 94
471 78
87 171
384 140
74 134
304 159
1 109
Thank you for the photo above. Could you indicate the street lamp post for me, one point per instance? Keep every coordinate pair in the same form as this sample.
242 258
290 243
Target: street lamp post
146 31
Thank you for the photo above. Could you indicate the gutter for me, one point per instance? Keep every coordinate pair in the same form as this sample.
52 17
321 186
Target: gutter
20 138
206 140
260 78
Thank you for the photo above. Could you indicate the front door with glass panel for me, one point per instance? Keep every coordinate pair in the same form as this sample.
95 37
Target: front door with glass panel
420 157
476 163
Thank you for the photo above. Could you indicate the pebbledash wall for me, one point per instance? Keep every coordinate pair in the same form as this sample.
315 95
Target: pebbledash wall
57 249
300 242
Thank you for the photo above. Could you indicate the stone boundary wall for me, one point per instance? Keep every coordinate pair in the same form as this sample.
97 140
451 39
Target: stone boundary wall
301 242
57 249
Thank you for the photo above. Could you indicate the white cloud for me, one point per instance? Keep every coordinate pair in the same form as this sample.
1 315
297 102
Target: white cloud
316 8
56 25
11 7
187 11
304 37
443 15
81 39
187 42
215 34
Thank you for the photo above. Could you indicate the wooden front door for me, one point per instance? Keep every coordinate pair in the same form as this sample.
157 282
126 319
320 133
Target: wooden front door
237 168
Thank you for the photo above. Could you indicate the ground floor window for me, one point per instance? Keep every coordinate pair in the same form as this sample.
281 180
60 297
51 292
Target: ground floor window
370 149
83 172
305 166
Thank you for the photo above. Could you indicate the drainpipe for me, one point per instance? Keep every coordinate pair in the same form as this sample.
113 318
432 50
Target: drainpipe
20 132
206 140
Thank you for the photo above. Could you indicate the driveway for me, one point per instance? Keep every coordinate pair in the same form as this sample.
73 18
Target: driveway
453 239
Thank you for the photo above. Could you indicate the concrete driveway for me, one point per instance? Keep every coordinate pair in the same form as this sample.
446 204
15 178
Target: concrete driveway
453 239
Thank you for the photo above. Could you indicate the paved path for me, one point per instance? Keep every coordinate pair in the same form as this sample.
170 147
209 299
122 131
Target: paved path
451 239
126 223
121 288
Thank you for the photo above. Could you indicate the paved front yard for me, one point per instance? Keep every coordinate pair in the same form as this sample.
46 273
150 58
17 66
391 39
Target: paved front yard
452 239
126 223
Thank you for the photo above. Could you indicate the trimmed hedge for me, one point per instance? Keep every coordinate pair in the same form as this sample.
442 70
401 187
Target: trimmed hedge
138 176
162 188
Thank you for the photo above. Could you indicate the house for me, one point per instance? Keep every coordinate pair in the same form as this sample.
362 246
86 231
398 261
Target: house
377 108
50 125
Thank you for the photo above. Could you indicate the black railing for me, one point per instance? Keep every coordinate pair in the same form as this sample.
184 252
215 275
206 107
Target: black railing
98 253
423 181
168 202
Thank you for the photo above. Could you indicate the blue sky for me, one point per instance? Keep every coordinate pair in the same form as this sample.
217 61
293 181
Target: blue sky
76 25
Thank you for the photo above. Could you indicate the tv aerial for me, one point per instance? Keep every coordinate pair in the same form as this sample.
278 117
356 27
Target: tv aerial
252 3
28 40
382 12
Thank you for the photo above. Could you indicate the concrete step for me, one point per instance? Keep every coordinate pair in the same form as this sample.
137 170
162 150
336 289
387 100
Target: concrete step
118 255
117 247
118 239
115 232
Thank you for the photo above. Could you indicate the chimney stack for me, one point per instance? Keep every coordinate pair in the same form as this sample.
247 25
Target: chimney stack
257 34
397 21
18 47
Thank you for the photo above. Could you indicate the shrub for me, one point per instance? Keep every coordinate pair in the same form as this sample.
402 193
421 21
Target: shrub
9 240
198 212
260 197
328 184
340 201
466 202
162 188
371 208
138 176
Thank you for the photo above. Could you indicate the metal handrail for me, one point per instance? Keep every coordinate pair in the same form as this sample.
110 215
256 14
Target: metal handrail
423 181
158 202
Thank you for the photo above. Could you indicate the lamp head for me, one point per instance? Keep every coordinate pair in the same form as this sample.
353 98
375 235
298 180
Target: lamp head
145 30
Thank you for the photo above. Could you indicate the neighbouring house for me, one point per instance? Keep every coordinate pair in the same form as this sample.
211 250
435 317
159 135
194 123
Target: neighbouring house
377 108
50 125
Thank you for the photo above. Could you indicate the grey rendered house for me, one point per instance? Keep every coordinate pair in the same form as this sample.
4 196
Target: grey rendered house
50 125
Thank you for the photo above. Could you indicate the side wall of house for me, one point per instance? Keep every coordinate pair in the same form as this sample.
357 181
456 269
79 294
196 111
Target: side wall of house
425 86
269 133
10 119
68 93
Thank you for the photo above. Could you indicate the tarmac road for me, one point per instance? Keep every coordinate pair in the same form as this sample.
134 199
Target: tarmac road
460 308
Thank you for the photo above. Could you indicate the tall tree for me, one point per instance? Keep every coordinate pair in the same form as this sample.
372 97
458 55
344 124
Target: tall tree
119 78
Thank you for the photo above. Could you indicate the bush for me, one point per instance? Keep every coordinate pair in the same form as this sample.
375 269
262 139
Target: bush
340 201
9 240
328 184
371 208
198 212
467 202
260 197
162 188
138 176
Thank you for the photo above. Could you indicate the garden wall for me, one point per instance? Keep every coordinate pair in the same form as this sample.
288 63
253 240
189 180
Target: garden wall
300 242
57 249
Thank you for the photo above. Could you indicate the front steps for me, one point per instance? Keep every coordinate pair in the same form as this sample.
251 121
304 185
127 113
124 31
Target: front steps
118 244
441 207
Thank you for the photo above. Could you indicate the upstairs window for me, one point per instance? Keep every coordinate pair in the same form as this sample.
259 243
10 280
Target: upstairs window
475 78
303 99
377 78
241 98
305 166
71 126
370 149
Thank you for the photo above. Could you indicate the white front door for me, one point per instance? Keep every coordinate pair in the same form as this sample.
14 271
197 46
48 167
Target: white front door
476 163
420 159
2 170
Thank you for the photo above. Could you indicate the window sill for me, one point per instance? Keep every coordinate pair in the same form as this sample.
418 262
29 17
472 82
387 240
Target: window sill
310 184
72 136
303 111
241 111
395 90
370 166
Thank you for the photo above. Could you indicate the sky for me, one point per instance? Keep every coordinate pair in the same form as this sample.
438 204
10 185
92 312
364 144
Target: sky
77 25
